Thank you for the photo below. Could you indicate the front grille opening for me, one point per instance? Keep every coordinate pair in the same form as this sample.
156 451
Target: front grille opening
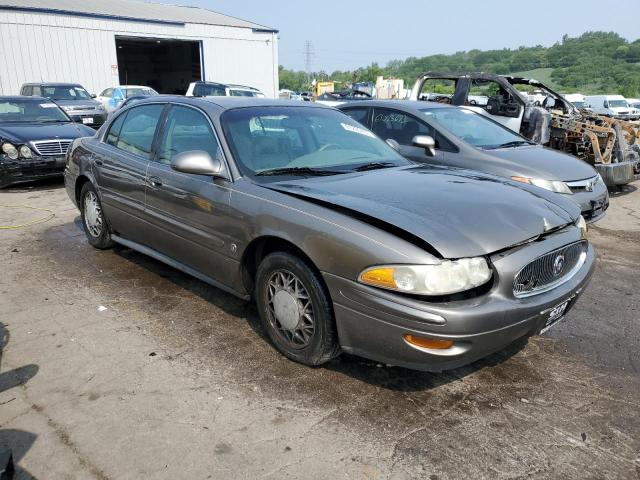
550 270
48 148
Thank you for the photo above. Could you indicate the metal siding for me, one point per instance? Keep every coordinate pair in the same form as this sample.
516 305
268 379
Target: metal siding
82 50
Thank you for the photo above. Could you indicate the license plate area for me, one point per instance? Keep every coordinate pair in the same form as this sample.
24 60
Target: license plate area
555 314
87 120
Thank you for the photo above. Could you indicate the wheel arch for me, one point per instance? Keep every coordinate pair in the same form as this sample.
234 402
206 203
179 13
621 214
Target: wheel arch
262 246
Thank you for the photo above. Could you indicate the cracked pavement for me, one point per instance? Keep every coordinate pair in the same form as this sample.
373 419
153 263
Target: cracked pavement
115 366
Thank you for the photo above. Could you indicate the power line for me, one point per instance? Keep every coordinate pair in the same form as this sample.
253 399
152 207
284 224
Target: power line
308 55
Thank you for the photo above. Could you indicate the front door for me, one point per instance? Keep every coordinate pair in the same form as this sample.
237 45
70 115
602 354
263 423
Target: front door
120 167
188 214
402 127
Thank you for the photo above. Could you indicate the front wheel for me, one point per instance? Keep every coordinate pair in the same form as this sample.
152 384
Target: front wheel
93 219
296 310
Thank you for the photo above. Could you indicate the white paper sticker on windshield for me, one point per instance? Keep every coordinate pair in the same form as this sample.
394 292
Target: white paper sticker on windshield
361 131
48 105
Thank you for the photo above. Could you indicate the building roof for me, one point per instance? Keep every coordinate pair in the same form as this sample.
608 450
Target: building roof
131 10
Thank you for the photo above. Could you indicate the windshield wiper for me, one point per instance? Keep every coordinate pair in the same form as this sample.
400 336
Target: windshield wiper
515 143
374 166
297 171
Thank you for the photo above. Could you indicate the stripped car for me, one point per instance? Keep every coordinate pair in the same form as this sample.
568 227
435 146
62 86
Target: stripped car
612 146
34 136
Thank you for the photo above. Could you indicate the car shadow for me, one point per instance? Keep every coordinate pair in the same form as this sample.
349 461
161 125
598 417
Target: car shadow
621 190
18 442
35 185
364 370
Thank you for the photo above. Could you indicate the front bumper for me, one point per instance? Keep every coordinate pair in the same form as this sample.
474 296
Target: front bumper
90 118
371 323
593 204
27 170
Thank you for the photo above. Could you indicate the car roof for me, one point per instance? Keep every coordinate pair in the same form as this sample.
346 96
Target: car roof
24 98
228 103
402 104
54 84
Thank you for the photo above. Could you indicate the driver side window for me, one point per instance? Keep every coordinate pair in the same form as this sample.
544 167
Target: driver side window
186 129
398 125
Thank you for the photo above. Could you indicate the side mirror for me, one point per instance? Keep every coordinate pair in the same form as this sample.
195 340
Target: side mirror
393 144
197 162
93 95
427 142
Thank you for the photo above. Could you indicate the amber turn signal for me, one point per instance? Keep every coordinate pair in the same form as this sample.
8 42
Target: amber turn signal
380 277
433 343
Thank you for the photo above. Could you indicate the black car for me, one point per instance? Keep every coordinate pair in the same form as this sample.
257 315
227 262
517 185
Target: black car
72 98
34 137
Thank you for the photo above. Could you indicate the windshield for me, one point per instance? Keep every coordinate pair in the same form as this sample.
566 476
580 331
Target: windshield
472 127
243 93
270 138
618 103
147 92
578 104
65 92
31 111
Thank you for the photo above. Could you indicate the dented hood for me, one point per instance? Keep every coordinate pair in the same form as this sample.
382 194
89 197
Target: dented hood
460 213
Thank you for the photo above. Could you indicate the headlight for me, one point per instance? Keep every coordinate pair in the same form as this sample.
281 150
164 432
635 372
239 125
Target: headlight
25 152
553 185
10 151
449 276
100 107
581 223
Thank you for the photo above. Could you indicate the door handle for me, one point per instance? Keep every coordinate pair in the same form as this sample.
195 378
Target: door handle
154 181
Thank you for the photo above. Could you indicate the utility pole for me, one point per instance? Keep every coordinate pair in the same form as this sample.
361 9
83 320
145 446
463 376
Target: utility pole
308 55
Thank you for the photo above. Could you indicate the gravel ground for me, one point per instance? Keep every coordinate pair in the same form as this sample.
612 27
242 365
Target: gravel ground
116 366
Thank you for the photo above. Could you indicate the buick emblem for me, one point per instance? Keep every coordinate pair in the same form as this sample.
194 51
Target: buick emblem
558 265
589 186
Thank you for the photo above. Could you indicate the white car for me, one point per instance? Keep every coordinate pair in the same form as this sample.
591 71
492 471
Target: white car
113 97
615 106
213 89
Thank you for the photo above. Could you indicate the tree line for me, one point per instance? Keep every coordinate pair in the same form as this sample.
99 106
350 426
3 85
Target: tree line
594 62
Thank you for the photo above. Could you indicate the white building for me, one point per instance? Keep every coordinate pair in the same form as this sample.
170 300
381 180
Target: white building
103 43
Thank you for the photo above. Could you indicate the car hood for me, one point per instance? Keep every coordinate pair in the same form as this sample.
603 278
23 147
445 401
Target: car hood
460 213
536 161
29 132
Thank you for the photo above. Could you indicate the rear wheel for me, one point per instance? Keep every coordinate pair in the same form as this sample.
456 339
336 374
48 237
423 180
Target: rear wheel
296 310
94 221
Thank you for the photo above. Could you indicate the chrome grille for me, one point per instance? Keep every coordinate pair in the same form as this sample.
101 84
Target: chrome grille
587 184
550 270
49 148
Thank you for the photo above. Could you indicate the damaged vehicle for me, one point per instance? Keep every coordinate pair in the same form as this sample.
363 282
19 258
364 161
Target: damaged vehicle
34 136
612 146
459 137
343 243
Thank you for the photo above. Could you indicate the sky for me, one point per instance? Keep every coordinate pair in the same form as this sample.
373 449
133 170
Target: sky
345 35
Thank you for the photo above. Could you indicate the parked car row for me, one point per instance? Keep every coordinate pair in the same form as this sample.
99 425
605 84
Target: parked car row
343 243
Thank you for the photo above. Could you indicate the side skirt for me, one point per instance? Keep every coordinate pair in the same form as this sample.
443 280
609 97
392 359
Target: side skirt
177 265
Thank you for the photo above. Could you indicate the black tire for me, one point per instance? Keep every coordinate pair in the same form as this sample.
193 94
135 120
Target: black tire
102 239
322 344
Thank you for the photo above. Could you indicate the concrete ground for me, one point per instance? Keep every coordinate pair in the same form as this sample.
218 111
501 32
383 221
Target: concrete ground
115 366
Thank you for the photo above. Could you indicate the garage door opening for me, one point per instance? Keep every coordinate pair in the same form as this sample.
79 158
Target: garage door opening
167 66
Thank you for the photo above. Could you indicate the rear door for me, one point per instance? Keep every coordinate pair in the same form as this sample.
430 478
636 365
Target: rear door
120 167
188 214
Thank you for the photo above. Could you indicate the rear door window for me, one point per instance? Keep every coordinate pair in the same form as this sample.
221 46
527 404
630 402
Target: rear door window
204 90
138 130
359 114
